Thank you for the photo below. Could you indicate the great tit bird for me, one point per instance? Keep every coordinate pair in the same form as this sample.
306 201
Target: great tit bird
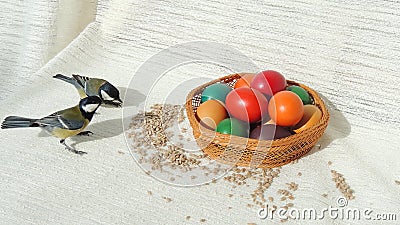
62 124
94 86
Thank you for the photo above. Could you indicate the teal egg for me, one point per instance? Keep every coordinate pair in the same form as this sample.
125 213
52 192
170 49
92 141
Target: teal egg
303 94
216 91
234 127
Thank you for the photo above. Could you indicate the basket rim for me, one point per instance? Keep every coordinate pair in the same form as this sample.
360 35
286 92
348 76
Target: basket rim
240 140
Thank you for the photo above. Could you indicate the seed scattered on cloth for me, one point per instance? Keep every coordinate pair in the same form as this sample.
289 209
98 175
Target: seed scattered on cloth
292 186
149 193
325 195
167 199
342 186
187 217
397 182
299 174
329 163
203 220
150 130
262 177
251 224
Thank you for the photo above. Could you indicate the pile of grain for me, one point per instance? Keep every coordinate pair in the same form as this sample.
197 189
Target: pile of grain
152 130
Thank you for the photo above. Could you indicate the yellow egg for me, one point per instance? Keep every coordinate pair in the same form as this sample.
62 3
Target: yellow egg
312 114
211 113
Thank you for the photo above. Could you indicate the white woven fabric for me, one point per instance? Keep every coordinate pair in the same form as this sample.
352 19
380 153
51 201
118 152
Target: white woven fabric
346 51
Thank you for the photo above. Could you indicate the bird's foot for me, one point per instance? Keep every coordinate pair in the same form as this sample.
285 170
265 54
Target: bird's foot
75 151
71 149
78 152
85 133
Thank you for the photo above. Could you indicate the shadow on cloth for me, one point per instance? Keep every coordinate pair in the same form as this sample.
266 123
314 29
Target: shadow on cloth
338 127
131 96
101 130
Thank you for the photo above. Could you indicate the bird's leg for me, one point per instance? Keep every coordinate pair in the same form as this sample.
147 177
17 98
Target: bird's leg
85 133
69 148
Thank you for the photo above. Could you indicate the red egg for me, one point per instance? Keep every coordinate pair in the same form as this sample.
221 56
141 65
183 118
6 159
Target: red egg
269 82
286 108
247 104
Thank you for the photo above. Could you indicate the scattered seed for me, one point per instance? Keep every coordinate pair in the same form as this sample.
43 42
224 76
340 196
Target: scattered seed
187 217
149 193
167 199
203 220
341 185
299 174
397 182
329 163
325 195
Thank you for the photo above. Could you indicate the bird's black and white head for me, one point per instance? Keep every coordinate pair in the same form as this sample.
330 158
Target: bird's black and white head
89 105
110 94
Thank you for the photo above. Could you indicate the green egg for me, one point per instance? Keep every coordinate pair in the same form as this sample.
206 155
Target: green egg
216 91
303 94
234 127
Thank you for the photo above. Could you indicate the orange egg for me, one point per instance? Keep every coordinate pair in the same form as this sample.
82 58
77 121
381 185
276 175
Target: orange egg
211 113
286 108
245 81
312 114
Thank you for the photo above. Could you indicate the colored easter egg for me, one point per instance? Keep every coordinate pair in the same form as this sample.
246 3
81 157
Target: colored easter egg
269 82
312 114
247 104
269 132
234 127
216 91
244 81
286 108
302 93
211 113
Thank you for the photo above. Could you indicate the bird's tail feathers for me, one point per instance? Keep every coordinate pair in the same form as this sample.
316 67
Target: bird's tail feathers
17 122
65 78
70 80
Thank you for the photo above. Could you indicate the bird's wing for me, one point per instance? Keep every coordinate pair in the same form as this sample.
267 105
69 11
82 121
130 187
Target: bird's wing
58 120
81 79
90 85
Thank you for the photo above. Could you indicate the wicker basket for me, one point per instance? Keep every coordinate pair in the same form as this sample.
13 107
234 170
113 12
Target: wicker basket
241 151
